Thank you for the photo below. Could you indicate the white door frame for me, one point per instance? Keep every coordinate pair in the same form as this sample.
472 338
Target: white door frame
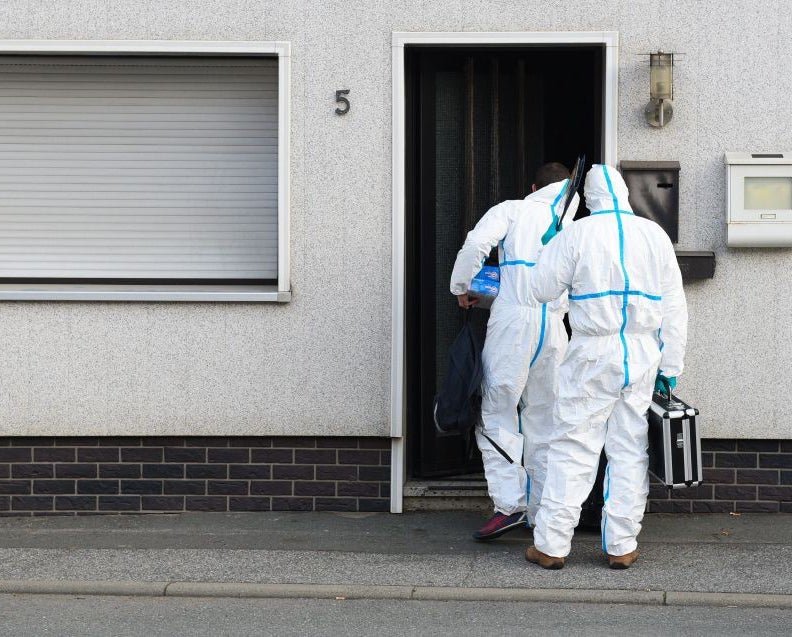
610 40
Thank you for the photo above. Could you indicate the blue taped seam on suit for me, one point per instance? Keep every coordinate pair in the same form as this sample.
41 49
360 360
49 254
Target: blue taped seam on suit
505 261
544 305
557 199
529 264
605 212
527 477
625 301
541 335
527 495
605 497
597 295
610 187
626 298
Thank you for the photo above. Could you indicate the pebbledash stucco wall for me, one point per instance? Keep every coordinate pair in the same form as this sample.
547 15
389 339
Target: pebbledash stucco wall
320 365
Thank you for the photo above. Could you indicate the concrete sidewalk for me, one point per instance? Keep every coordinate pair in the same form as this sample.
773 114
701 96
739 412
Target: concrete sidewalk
706 559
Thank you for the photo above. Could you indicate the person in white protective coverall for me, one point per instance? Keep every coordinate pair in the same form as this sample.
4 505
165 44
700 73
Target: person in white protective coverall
525 342
629 327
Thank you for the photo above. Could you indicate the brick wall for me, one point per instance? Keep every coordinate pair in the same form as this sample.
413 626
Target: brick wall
51 476
68 476
741 476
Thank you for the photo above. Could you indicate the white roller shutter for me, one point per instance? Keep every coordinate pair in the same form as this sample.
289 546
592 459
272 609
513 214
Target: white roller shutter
138 167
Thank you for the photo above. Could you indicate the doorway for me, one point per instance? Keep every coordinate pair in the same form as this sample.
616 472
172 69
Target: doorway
479 121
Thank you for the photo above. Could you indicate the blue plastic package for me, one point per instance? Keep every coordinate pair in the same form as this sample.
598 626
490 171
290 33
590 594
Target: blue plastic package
485 286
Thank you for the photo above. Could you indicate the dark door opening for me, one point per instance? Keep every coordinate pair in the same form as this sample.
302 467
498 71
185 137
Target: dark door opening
480 121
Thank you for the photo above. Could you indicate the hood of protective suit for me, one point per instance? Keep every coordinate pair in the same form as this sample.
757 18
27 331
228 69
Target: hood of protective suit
549 193
605 189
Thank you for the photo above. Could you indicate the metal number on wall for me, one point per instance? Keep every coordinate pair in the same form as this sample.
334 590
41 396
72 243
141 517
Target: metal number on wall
345 106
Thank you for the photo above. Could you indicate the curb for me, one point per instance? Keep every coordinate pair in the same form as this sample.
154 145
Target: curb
416 593
309 591
83 587
573 595
754 600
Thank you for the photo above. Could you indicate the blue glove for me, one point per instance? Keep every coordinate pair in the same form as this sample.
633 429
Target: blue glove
551 231
660 385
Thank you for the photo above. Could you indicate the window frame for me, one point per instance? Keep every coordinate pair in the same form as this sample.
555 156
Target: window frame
279 293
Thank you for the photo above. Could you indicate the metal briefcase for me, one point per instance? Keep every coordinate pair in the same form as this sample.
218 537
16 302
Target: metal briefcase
674 442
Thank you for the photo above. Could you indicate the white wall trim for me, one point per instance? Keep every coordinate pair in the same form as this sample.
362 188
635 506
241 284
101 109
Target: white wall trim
397 290
283 51
398 466
500 38
143 293
279 49
610 40
610 116
137 47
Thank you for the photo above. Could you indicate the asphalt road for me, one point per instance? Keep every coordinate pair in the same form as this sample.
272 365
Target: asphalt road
124 616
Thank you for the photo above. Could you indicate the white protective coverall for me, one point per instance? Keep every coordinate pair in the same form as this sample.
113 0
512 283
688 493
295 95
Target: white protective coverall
629 318
525 342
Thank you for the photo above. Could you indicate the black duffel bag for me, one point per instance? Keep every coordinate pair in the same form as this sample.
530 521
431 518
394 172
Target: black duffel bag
458 404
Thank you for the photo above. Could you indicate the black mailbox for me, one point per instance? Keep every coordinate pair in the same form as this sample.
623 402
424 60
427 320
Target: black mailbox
654 192
696 265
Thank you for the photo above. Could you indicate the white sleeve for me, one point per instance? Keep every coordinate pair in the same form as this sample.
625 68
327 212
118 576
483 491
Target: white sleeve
673 330
490 229
552 275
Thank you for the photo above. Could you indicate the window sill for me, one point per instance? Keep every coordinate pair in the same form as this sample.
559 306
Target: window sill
151 293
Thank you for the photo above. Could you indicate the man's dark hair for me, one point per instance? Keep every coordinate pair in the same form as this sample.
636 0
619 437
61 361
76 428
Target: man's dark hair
550 173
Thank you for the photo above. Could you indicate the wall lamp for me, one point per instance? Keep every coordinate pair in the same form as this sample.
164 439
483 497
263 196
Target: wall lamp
660 109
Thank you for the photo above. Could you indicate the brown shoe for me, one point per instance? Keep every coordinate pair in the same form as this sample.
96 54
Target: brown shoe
532 554
623 561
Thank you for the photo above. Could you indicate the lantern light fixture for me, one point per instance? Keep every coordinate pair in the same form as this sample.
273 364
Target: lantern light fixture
660 109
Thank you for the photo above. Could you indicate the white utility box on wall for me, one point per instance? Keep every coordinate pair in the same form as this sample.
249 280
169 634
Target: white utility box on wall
759 200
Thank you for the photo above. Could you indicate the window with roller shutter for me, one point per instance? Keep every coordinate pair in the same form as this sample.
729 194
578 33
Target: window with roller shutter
139 169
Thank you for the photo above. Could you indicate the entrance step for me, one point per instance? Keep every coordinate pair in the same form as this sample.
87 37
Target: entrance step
447 494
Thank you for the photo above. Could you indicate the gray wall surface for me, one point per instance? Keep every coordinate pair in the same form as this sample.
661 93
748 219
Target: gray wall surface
320 365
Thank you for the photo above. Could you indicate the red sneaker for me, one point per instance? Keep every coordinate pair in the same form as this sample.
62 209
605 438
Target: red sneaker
500 524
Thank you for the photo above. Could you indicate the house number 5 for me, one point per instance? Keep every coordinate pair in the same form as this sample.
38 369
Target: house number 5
344 108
